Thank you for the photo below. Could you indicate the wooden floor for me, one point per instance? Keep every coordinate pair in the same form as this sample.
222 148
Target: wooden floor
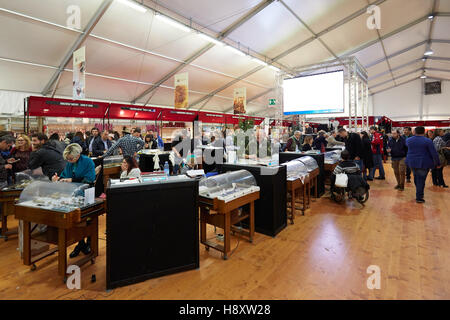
324 255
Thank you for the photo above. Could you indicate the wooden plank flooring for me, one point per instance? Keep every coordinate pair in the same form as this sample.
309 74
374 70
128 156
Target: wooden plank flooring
324 255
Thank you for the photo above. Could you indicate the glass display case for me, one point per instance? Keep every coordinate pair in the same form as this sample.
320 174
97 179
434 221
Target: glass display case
112 161
55 196
310 163
296 169
228 186
332 157
24 178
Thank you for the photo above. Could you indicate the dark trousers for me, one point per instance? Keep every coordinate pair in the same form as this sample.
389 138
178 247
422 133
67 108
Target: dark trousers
438 176
377 162
420 176
408 173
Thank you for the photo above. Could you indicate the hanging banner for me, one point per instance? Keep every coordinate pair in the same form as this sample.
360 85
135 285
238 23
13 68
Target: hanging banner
240 100
181 90
79 68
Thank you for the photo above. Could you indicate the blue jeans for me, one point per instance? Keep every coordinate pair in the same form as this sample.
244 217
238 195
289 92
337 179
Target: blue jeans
377 162
420 176
360 164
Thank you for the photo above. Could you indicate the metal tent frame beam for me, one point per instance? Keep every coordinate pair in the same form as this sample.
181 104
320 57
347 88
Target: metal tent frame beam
222 35
398 77
82 37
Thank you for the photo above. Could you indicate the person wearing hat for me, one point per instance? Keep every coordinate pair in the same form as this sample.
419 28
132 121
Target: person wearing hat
129 143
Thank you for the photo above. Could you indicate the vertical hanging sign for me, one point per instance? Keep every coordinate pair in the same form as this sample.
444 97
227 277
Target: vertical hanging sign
79 68
181 90
240 100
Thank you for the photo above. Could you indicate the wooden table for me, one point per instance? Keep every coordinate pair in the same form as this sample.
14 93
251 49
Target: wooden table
110 172
7 199
225 215
63 230
293 188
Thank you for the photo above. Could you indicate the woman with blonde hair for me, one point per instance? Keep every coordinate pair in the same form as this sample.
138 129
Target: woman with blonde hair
20 154
307 143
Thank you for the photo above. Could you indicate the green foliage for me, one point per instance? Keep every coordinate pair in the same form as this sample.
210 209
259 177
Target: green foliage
246 124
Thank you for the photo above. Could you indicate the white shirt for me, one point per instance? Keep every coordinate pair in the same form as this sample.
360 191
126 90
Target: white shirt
134 173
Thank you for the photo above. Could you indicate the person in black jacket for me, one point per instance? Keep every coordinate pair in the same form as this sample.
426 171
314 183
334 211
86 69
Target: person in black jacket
354 145
100 146
90 140
320 143
6 142
398 150
78 138
46 154
150 141
61 145
367 155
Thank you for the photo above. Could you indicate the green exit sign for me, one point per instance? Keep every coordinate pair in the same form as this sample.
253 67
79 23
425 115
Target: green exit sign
272 102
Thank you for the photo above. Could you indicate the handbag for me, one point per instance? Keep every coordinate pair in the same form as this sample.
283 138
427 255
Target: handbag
341 180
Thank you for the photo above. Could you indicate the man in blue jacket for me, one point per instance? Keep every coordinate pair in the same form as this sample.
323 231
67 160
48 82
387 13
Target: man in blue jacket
397 148
422 156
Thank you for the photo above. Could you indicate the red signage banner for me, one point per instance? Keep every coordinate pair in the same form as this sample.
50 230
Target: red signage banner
51 107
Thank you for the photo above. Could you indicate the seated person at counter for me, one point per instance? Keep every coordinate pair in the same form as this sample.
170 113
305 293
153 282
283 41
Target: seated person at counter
79 168
130 169
307 144
332 141
150 142
102 145
294 142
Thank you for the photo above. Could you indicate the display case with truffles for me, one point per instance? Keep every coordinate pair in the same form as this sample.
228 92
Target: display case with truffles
113 161
332 157
55 196
296 169
309 162
68 218
226 200
228 186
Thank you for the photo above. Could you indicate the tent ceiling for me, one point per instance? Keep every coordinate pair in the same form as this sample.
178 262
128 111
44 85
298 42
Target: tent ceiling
130 51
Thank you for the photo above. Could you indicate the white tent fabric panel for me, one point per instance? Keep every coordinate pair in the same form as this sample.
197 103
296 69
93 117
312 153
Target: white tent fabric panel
25 40
395 15
101 88
407 38
165 97
144 31
307 55
215 16
54 11
340 41
441 49
438 64
281 31
439 74
320 14
11 102
403 58
442 27
409 68
226 61
370 54
16 77
264 77
109 59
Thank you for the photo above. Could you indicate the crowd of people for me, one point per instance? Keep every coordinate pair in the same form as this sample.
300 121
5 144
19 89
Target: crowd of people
417 153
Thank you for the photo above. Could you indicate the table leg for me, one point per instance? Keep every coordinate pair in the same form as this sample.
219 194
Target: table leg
315 187
226 235
94 237
62 252
292 205
26 243
309 194
252 221
304 198
202 225
4 221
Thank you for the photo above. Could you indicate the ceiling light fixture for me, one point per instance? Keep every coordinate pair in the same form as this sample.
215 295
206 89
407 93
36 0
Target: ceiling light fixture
133 5
259 61
431 17
210 39
173 23
428 50
423 76
239 52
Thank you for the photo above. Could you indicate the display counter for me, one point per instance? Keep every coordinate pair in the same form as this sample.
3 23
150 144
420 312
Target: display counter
61 207
152 229
320 159
270 209
226 200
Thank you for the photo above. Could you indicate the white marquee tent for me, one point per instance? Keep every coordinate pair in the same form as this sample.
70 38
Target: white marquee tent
133 51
